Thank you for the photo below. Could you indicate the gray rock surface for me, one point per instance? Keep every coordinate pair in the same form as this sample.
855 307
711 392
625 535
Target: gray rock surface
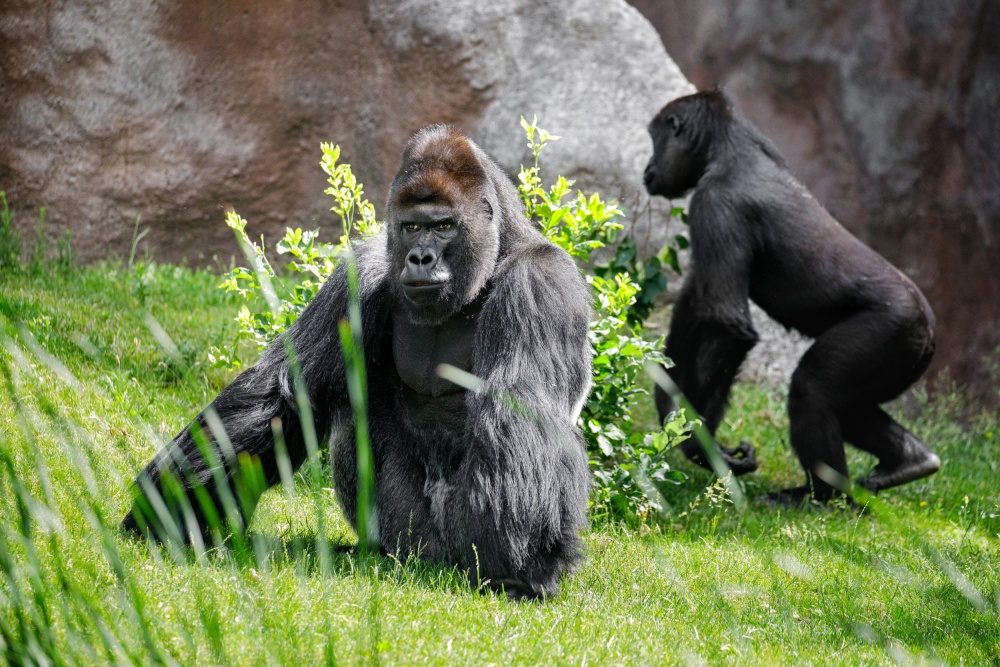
591 71
118 108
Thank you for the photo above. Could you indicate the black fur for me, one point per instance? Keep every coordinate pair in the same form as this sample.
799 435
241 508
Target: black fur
757 233
460 477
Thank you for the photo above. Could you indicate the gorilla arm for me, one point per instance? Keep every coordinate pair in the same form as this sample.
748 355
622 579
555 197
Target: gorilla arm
239 426
710 329
525 476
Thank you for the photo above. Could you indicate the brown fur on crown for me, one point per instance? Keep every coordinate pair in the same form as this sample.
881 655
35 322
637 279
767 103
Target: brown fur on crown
440 167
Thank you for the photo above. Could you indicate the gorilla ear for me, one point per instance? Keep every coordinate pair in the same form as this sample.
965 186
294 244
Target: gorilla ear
487 208
674 124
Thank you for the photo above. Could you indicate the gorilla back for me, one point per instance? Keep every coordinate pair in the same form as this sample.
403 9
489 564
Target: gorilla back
757 233
460 276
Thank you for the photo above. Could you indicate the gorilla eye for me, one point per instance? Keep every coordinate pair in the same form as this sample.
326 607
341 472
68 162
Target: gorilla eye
411 226
443 225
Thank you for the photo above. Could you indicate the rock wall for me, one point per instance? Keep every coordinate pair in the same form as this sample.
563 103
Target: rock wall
175 111
887 111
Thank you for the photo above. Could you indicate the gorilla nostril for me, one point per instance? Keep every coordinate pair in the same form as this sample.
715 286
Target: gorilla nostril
421 257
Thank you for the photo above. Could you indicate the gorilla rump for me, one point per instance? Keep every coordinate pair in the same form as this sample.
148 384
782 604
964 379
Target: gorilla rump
757 233
459 276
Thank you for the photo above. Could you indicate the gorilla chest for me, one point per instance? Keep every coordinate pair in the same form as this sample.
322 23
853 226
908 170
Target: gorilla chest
417 350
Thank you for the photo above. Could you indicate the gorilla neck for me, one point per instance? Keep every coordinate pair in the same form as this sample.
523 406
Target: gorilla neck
418 349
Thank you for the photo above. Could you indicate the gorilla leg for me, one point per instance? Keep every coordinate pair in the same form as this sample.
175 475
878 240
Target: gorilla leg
707 357
815 434
406 510
825 381
405 522
857 364
902 457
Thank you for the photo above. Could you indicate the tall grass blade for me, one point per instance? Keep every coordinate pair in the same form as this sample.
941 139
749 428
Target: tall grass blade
351 343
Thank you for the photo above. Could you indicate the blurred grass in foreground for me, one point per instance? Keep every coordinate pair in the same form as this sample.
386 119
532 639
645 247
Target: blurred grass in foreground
88 391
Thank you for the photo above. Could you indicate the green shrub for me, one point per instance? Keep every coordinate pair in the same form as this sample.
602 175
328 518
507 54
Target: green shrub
278 302
647 273
626 464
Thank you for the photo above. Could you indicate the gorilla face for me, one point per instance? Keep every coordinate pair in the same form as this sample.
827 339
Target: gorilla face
426 234
675 166
443 239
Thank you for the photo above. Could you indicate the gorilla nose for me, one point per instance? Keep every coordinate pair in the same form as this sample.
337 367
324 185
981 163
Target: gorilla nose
648 175
422 257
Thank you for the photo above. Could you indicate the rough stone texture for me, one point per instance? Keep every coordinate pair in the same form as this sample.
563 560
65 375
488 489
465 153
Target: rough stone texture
592 71
888 112
175 111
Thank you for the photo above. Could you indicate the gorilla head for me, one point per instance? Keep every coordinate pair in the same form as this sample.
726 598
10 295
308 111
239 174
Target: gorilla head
443 237
689 134
679 151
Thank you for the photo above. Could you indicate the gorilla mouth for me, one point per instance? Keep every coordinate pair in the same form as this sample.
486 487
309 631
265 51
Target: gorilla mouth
423 293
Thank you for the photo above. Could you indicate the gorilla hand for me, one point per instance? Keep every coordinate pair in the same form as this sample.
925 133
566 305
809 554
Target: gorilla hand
740 459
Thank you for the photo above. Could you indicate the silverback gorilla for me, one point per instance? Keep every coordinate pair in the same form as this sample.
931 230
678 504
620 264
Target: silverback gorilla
757 233
460 276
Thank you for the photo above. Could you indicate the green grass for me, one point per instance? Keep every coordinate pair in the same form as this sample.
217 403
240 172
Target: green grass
917 579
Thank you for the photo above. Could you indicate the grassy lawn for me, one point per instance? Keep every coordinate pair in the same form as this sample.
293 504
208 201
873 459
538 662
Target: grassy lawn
88 391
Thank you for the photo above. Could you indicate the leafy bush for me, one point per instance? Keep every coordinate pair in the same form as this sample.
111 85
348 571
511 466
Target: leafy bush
626 464
647 273
312 262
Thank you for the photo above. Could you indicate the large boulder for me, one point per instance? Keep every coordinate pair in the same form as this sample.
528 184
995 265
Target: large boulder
175 111
591 71
887 111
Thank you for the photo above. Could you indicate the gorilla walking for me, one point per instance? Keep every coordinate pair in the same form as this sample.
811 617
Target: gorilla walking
458 276
757 233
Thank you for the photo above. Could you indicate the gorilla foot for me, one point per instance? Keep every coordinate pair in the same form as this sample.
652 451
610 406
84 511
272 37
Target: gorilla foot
918 462
740 459
795 497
